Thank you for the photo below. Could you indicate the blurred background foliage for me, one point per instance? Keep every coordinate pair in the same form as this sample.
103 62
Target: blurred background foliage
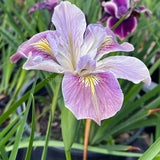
16 26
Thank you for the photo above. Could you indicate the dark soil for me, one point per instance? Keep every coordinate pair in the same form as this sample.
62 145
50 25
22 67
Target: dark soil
42 123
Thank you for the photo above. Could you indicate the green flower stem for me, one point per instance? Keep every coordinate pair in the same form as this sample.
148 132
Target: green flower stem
68 155
53 107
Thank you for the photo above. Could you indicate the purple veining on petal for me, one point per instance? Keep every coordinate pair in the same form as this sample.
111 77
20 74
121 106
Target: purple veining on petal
126 67
80 100
111 45
90 88
94 36
39 62
126 27
70 23
27 47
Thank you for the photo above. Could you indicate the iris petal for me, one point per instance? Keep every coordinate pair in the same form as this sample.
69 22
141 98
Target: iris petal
126 67
41 63
70 23
41 47
95 35
110 8
98 97
111 45
125 28
86 64
124 3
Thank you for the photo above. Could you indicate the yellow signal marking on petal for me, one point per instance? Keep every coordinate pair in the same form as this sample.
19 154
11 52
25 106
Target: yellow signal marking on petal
44 46
91 81
91 84
107 41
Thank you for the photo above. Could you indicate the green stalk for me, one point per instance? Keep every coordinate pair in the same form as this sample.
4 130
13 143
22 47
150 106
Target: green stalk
68 155
53 107
21 127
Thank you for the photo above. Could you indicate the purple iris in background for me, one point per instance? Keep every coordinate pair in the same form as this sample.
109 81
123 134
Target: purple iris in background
114 10
48 4
90 86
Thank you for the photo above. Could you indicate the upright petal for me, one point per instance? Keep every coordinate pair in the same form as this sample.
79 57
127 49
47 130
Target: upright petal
70 24
124 3
111 45
94 36
126 67
31 45
110 8
125 28
96 97
143 9
104 18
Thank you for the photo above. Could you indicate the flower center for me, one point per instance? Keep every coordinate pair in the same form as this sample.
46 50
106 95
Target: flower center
89 81
122 10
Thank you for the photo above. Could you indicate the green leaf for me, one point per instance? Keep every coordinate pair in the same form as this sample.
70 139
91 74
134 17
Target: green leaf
9 38
12 21
70 127
9 127
53 143
13 107
9 135
21 18
152 151
3 153
21 128
29 150
105 130
53 107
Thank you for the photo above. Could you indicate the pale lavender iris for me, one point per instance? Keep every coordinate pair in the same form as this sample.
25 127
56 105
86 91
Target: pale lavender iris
48 4
90 86
114 10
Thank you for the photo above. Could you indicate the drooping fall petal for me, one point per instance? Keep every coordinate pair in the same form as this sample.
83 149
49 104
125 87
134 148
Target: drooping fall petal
126 67
96 97
38 45
125 28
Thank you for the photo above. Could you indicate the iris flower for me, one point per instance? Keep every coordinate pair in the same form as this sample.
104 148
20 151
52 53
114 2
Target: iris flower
90 86
114 10
48 4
